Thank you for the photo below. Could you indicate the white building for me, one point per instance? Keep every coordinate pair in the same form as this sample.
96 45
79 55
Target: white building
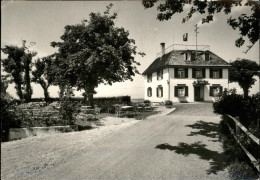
181 77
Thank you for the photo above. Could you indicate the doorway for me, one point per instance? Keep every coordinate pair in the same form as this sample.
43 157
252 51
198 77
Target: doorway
197 93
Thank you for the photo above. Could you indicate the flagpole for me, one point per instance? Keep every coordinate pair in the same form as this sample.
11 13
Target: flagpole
196 32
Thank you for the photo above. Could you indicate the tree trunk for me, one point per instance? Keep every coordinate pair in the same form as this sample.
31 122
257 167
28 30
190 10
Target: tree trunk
18 88
88 96
62 90
246 92
28 89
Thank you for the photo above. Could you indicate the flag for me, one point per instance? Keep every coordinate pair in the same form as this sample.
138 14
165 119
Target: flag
185 37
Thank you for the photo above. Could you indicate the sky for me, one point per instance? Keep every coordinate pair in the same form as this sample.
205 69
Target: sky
44 21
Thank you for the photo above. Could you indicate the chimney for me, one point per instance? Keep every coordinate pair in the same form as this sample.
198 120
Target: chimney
163 48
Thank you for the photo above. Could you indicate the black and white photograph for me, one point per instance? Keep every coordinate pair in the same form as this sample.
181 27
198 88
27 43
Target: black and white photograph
130 90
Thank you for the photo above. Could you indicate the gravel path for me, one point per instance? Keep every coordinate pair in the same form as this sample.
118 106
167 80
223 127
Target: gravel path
34 154
181 145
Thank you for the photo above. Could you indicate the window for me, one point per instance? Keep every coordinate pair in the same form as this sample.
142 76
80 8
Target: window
181 73
216 73
207 56
149 92
187 56
215 90
181 91
159 91
159 74
149 78
198 73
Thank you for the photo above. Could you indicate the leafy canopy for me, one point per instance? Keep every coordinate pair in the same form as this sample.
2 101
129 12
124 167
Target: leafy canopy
248 25
94 52
243 72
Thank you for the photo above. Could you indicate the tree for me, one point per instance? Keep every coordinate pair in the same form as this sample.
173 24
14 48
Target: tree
41 74
243 72
13 65
95 52
248 25
27 64
18 65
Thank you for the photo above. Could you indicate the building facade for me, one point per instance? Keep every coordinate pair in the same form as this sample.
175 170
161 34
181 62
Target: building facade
185 76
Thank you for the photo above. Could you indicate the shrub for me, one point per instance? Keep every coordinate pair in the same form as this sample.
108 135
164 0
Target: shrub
67 110
168 102
247 109
8 119
147 102
241 170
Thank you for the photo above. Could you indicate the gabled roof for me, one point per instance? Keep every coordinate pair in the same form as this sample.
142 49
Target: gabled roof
176 58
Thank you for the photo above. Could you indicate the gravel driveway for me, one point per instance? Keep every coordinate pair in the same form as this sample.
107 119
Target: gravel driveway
181 145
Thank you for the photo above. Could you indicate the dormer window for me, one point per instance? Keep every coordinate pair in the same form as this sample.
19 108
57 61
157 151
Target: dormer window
159 74
149 78
206 56
187 56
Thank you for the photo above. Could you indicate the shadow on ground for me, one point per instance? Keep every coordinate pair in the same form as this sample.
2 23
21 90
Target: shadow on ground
217 160
208 129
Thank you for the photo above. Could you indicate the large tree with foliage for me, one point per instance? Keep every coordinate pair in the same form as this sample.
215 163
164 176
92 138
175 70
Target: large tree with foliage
42 74
248 25
243 71
13 65
94 52
27 65
18 65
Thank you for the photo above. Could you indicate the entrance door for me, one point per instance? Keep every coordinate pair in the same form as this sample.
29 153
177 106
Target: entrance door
197 93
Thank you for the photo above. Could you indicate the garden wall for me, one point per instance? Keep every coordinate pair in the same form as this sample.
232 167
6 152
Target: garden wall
20 133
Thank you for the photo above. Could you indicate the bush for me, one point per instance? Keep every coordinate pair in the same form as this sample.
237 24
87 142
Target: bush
248 111
168 102
8 118
68 108
106 103
240 170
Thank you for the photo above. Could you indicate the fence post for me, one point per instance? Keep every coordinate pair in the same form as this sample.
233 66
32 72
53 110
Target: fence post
237 127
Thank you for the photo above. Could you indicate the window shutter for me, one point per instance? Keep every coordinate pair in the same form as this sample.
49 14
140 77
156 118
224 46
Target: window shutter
176 72
193 73
148 92
220 89
211 73
186 72
186 91
210 91
220 73
162 91
176 91
203 73
151 92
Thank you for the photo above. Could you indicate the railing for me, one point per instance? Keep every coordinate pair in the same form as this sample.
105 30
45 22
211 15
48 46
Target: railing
256 140
183 47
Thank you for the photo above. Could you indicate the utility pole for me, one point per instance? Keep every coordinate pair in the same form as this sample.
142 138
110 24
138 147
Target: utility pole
196 32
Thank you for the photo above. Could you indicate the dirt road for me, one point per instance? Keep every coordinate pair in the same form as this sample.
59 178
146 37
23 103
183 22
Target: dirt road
181 145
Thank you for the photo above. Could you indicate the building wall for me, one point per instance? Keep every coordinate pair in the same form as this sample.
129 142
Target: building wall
154 84
168 93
